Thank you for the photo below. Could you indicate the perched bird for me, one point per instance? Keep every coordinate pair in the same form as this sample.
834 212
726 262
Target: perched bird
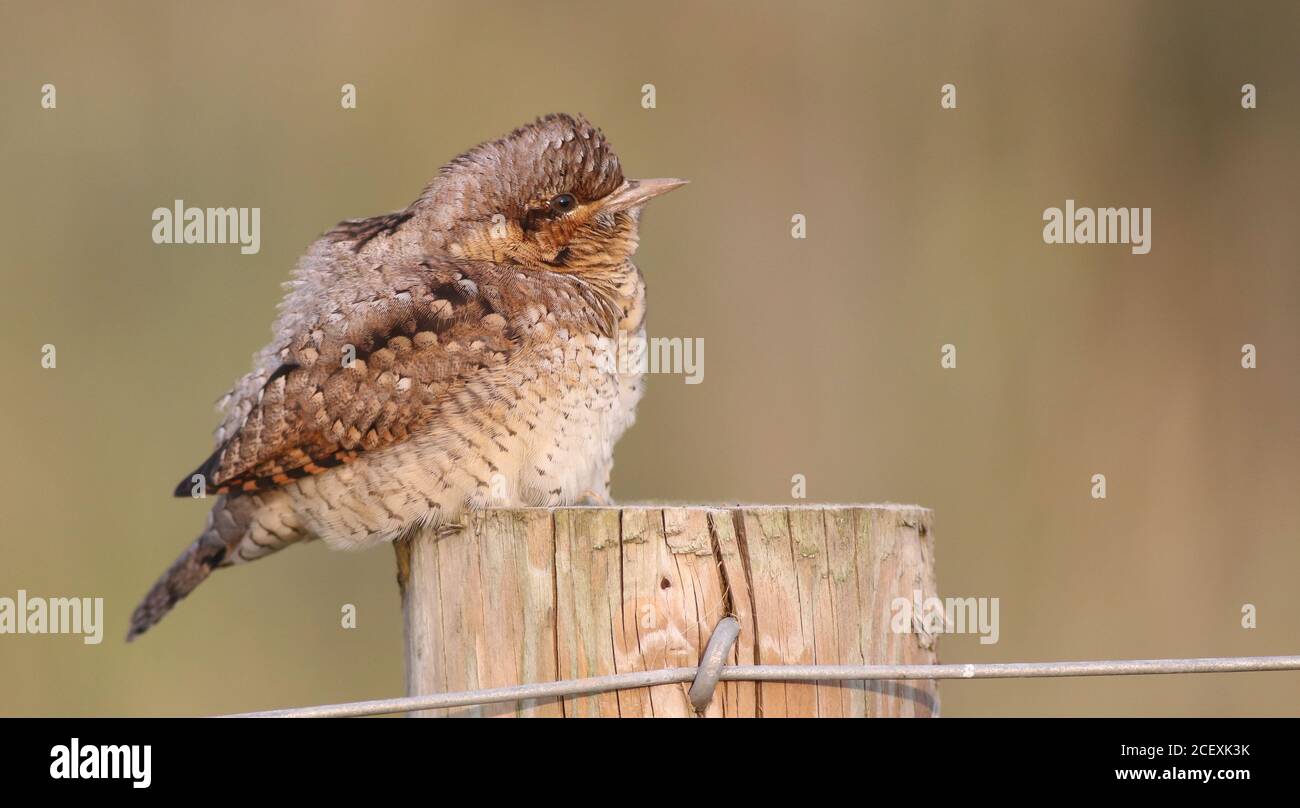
454 355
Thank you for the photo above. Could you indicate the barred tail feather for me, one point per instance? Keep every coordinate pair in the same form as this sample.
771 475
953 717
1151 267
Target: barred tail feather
186 572
227 525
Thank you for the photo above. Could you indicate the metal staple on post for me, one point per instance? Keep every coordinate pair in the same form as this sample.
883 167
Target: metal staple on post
711 663
788 673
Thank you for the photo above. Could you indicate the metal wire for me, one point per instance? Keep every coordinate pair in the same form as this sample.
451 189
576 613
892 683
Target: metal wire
712 661
787 673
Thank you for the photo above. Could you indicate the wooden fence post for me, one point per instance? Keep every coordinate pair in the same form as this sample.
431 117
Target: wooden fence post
536 595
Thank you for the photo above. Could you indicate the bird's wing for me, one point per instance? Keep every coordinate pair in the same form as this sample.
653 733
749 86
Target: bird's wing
414 343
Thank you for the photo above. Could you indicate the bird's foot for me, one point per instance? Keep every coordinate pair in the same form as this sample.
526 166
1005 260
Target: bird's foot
449 529
439 531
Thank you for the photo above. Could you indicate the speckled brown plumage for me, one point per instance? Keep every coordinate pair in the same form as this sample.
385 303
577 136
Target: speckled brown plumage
455 354
432 327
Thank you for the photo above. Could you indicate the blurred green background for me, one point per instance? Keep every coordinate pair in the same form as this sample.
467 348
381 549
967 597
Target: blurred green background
822 355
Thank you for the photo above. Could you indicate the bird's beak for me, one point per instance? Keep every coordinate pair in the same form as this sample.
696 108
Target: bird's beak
633 193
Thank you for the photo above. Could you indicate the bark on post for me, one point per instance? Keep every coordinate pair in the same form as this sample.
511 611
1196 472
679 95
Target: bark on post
536 595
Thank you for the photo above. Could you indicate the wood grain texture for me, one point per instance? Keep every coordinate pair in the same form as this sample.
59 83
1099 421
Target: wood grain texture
535 595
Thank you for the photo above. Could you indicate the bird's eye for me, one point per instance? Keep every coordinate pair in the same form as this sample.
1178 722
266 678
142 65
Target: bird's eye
563 203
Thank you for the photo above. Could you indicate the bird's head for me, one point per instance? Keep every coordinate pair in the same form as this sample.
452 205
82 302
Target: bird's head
549 196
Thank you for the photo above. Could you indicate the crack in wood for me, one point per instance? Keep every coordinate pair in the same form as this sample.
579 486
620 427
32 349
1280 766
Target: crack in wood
536 595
